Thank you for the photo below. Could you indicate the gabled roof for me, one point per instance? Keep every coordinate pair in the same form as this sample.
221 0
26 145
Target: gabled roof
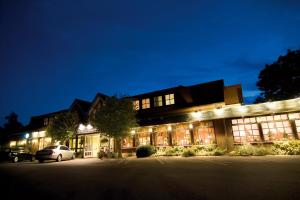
37 122
83 105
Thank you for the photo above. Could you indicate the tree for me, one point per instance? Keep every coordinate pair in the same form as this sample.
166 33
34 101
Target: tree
280 80
12 125
63 126
115 119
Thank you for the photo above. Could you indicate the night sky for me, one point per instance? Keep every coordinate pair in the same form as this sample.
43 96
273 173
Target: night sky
53 51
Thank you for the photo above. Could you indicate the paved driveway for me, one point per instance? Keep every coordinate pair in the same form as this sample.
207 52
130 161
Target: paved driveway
269 177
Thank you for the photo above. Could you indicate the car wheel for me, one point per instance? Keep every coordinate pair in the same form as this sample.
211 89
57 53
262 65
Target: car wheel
58 159
73 157
41 161
15 159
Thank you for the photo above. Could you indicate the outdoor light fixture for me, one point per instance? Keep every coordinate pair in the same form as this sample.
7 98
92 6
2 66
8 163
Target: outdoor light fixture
271 105
242 109
132 132
191 126
27 135
150 130
81 127
219 111
196 115
89 126
169 128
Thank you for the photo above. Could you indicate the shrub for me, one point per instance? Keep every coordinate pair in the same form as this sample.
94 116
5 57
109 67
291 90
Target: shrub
250 150
288 147
145 151
188 152
218 151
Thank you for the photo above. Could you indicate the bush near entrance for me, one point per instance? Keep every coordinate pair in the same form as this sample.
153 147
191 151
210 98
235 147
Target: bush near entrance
145 151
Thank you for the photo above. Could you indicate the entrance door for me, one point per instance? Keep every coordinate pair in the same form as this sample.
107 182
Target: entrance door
91 146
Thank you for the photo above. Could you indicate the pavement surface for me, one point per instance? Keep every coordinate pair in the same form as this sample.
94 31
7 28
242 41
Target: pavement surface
240 178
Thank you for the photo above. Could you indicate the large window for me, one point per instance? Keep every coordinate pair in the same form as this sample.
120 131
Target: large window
204 133
276 127
144 137
181 135
161 134
146 103
127 142
170 99
136 105
158 101
245 130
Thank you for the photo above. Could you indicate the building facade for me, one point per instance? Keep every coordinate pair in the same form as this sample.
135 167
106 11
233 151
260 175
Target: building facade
183 116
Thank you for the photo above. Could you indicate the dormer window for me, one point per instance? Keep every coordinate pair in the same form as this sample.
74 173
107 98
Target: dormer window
46 121
136 105
145 103
170 99
158 101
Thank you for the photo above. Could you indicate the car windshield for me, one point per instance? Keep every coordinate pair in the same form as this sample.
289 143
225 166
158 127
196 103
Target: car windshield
51 147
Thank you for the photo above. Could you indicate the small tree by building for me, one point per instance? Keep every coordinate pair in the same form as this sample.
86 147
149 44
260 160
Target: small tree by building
280 80
63 126
115 119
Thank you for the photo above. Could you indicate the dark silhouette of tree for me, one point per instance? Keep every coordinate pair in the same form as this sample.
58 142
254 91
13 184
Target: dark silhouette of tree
63 126
280 80
12 125
115 119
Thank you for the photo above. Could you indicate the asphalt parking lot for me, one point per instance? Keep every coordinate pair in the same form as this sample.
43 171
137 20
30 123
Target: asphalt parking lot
267 177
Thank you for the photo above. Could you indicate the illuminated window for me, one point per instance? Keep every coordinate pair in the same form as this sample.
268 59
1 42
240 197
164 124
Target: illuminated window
146 103
144 138
161 134
277 130
170 99
181 135
46 121
127 142
204 133
158 101
245 130
136 105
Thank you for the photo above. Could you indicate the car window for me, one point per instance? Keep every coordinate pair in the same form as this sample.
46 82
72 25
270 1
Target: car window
51 147
64 148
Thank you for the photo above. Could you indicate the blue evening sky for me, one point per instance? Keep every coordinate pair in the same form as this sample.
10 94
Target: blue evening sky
52 51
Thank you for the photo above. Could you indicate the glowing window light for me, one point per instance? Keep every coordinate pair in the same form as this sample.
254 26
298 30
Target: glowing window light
22 142
42 133
13 143
35 134
34 141
48 139
89 127
169 128
81 127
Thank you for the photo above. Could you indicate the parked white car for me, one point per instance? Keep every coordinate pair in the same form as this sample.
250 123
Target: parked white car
55 152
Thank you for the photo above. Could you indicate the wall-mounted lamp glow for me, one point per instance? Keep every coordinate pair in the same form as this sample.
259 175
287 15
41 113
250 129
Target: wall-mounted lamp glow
89 127
196 115
81 127
219 111
191 126
169 128
150 130
132 132
27 135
